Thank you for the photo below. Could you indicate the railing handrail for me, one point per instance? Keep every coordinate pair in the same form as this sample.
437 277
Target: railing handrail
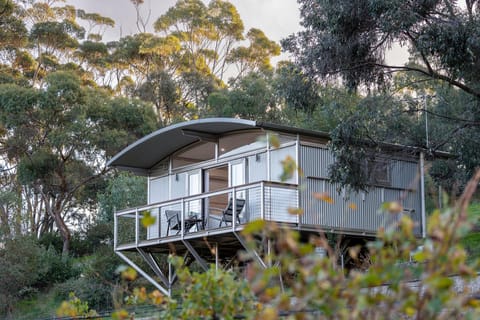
206 195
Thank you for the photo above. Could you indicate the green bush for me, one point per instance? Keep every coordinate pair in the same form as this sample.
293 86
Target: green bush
27 268
87 242
97 294
97 282
57 269
51 240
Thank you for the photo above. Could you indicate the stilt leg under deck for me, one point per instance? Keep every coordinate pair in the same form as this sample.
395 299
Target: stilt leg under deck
143 273
195 254
254 253
150 259
221 249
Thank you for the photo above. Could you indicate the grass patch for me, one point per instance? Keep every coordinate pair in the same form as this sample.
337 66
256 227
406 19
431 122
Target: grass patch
39 306
471 242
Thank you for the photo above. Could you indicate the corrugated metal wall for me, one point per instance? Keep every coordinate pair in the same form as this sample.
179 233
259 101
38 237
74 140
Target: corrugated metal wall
354 212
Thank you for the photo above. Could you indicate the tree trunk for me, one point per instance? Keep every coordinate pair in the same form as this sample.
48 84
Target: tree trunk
54 208
64 231
4 221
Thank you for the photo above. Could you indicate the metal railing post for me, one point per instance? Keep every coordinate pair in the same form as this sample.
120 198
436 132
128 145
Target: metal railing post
115 229
137 227
182 219
234 208
262 200
159 221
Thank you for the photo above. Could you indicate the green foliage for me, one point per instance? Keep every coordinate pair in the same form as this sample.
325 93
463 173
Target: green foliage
75 307
359 136
298 91
59 135
123 191
161 90
92 292
251 97
13 33
440 81
215 294
51 240
28 268
471 241
351 40
98 282
298 280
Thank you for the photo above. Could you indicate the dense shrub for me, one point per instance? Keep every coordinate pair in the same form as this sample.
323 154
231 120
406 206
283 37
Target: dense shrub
51 240
27 267
57 269
97 281
97 294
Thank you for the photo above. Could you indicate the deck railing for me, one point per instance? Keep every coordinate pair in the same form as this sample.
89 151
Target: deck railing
198 214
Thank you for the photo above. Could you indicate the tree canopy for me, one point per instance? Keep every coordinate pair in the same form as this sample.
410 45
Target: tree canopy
431 102
351 39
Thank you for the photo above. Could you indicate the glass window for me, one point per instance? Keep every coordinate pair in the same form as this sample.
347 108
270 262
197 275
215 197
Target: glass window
194 187
241 142
277 156
238 176
198 152
158 190
257 167
179 185
378 171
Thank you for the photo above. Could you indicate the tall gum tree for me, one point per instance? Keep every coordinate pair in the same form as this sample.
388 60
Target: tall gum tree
59 135
351 39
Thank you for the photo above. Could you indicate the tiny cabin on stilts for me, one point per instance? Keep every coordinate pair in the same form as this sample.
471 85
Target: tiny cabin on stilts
208 178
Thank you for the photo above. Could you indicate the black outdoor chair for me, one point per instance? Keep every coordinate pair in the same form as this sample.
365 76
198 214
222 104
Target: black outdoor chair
227 213
173 220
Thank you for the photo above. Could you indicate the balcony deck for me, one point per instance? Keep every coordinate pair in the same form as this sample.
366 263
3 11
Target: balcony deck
200 219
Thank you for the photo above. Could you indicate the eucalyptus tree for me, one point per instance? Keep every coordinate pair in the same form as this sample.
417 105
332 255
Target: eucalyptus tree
351 38
54 35
58 137
349 41
13 39
256 56
210 38
207 34
251 97
48 36
133 58
297 91
97 24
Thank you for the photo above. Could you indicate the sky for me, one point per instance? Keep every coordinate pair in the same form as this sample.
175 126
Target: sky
276 18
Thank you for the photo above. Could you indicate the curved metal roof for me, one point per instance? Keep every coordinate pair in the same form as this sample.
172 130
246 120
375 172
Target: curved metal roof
145 153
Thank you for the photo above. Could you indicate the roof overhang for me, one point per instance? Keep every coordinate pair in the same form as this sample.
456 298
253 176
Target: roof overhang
141 156
144 154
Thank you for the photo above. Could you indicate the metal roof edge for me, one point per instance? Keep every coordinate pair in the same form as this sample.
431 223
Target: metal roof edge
184 124
253 124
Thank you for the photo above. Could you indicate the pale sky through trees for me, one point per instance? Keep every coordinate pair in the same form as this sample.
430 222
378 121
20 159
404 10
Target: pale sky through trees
276 18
